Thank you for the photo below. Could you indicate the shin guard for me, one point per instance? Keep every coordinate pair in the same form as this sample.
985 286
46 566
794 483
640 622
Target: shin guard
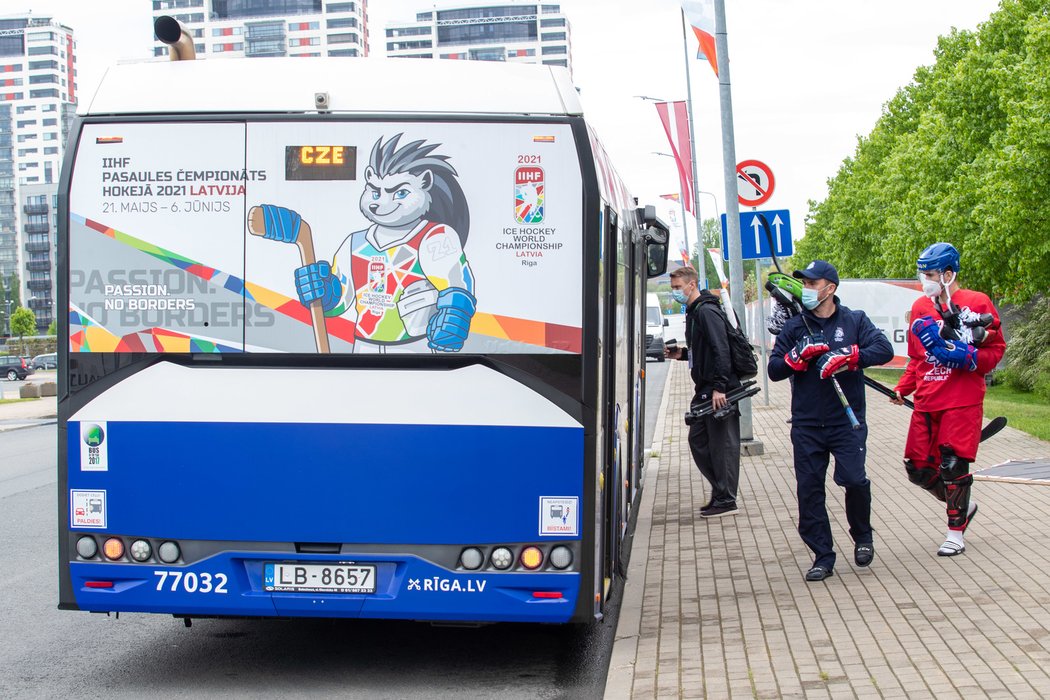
955 473
926 477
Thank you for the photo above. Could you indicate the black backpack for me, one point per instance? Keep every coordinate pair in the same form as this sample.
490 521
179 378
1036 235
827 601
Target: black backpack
745 364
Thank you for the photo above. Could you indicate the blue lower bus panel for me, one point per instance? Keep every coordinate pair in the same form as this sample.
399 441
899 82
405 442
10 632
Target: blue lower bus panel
401 588
405 499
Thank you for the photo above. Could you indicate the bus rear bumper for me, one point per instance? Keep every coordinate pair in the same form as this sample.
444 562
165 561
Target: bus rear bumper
405 587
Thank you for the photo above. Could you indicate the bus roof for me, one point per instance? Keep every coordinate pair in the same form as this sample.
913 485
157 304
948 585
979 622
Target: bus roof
354 85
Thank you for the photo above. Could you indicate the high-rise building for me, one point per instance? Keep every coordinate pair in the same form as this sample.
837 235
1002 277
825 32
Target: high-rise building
508 31
38 93
260 28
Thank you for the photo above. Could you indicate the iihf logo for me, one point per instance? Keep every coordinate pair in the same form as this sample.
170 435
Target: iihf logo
528 195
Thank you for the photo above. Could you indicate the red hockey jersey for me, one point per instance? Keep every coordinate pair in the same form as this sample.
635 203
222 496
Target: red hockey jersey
938 388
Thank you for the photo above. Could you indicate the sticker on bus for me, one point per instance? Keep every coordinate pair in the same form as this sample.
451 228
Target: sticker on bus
559 515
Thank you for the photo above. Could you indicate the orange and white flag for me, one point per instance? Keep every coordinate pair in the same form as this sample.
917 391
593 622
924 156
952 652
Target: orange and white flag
701 16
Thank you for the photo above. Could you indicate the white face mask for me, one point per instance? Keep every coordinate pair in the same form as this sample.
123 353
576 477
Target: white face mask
933 288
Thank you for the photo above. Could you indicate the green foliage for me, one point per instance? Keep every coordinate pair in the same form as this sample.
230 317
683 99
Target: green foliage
52 329
959 155
1028 354
23 322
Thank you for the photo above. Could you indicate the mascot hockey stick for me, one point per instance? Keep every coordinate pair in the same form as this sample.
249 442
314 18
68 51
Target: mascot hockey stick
303 238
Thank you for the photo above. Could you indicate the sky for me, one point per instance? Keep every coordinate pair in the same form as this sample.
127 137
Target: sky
808 78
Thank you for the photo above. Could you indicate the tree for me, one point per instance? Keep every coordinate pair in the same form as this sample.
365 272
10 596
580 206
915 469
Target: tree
23 323
52 328
952 159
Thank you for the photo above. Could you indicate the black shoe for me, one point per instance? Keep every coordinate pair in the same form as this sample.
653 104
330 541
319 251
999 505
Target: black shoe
707 507
719 511
863 553
819 573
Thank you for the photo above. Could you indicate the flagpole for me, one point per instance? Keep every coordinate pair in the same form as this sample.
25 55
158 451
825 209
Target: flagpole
692 145
748 445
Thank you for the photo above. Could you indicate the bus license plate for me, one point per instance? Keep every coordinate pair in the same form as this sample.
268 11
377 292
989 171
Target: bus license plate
319 578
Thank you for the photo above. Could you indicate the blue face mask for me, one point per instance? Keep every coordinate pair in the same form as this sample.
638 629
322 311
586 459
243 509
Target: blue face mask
811 298
679 295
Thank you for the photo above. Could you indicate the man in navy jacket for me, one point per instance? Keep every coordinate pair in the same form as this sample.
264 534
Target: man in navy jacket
828 340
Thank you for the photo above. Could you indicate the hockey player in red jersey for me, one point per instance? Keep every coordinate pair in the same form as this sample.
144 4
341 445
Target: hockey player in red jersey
955 340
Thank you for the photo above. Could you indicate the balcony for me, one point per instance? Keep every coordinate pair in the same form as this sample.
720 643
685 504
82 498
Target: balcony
34 209
36 303
39 285
37 228
38 247
39 265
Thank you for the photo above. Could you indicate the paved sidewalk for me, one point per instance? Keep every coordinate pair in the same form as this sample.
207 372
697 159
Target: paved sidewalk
719 609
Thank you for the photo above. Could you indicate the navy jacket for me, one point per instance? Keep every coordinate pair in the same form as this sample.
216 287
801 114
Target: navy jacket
813 400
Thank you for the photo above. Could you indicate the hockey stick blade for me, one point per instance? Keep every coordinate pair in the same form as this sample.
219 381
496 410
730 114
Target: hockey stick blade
993 427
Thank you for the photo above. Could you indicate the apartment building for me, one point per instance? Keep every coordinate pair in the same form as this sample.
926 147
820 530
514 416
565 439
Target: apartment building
517 32
38 93
263 28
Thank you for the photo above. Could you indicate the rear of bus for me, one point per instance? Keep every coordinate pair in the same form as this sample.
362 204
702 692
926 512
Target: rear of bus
226 449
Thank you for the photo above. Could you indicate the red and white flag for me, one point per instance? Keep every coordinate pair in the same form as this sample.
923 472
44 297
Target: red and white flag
675 118
701 16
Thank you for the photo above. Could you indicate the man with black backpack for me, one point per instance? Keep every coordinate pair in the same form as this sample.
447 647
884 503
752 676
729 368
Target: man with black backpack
823 350
714 439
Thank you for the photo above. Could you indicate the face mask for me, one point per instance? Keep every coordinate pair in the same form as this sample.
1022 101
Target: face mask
811 298
679 295
932 288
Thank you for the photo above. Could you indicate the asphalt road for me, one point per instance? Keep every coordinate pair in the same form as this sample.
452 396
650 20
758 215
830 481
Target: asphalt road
50 653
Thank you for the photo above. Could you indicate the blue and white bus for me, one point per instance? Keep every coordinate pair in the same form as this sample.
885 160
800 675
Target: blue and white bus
347 338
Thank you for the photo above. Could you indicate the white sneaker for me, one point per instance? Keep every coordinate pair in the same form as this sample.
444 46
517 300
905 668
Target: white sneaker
950 548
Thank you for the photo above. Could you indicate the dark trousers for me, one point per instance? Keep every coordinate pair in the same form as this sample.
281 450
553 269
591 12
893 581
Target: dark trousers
812 447
715 444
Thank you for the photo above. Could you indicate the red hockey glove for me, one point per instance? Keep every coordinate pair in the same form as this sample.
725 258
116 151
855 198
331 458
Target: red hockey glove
847 358
805 350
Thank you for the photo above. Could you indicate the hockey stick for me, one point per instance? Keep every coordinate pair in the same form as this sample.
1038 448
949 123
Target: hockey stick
854 423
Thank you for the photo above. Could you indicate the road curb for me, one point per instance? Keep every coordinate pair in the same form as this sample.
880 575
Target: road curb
619 681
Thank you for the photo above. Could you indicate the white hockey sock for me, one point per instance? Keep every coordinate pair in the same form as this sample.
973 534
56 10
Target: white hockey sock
954 536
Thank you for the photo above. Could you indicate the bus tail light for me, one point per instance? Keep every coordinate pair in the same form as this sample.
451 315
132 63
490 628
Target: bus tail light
561 557
87 548
471 558
140 550
502 558
169 552
98 584
549 595
113 549
531 558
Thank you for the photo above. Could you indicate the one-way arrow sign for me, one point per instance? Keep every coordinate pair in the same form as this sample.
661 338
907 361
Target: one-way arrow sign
753 242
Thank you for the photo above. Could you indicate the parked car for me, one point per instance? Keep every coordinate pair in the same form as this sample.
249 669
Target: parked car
48 360
654 328
14 367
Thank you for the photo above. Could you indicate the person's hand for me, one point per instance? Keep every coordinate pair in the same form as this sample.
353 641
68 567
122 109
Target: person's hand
897 399
718 400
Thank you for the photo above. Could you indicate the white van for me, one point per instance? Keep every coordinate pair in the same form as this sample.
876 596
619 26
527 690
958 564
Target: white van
654 327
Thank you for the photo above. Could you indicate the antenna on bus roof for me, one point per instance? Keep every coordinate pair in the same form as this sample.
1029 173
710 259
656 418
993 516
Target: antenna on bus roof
179 41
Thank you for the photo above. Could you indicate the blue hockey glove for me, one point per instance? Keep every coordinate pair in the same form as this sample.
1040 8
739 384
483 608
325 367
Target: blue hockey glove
805 350
316 281
448 328
842 359
281 224
928 333
956 356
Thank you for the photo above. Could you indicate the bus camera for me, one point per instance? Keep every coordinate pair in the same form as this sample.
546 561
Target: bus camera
321 100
